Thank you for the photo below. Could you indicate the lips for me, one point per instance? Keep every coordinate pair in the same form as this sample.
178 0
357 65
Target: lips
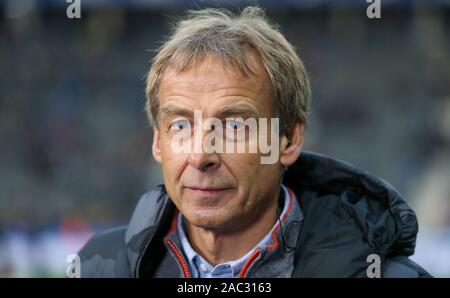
207 192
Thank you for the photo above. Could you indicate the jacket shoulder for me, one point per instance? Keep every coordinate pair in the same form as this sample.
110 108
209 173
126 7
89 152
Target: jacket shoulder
403 267
104 255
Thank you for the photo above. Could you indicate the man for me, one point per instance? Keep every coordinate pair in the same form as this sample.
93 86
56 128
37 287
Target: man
222 213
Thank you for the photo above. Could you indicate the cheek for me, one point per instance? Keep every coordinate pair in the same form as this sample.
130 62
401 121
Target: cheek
169 156
254 176
246 169
172 165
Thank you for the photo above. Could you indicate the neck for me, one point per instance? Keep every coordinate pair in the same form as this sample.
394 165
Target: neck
218 247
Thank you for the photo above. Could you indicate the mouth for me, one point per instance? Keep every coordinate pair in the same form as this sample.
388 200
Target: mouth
207 192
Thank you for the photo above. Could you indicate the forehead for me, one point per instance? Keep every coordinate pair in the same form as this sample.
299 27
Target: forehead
212 75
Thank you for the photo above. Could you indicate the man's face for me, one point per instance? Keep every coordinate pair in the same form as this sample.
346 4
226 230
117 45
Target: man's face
216 191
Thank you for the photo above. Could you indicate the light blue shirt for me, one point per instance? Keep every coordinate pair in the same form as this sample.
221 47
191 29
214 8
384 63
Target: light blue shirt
201 268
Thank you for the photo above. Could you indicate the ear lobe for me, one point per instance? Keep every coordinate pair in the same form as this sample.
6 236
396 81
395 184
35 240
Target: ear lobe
290 150
156 148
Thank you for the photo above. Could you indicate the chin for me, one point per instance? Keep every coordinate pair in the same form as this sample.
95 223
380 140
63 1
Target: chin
210 219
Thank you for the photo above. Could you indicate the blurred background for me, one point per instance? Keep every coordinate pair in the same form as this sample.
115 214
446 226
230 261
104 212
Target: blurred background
75 146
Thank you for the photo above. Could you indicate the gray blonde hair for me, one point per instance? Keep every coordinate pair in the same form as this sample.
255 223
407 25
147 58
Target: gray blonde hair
233 37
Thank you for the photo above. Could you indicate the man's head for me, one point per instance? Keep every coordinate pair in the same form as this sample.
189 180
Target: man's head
226 66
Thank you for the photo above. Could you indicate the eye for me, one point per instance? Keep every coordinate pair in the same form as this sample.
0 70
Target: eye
179 125
233 124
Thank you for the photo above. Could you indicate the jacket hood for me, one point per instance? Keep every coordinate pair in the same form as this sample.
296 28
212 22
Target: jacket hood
387 221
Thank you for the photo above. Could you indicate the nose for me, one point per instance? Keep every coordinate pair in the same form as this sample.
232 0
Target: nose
204 161
200 159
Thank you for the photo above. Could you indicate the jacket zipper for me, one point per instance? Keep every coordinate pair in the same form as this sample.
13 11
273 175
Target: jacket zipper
249 263
179 256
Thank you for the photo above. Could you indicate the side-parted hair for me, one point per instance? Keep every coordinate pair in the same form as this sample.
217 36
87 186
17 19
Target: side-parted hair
233 37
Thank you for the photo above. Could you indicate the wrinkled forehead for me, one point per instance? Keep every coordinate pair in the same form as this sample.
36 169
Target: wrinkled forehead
215 74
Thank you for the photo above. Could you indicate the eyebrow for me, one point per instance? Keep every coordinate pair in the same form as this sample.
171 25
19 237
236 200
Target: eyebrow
239 110
171 110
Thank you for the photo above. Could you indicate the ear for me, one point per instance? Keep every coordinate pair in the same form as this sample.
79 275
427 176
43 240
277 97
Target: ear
290 149
156 147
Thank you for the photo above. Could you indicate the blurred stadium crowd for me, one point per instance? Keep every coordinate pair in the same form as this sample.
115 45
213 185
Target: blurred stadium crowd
75 146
